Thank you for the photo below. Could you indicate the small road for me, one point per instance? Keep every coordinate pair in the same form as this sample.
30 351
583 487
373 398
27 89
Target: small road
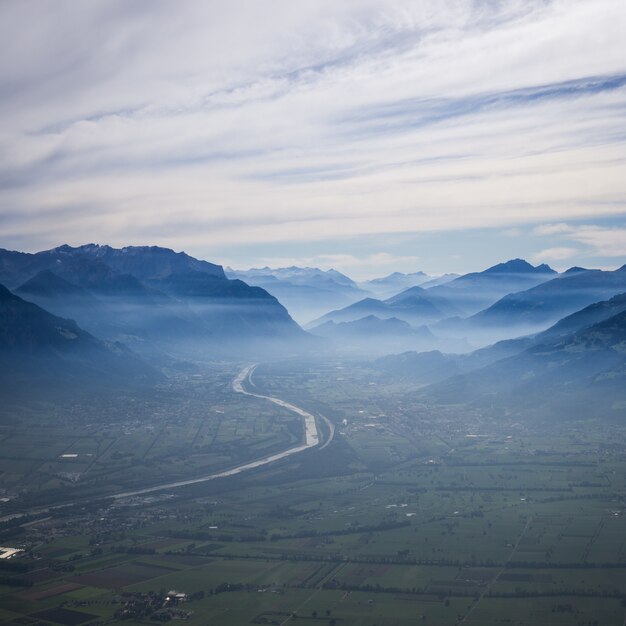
498 573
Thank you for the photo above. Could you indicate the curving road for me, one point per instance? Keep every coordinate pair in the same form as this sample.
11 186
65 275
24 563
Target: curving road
312 439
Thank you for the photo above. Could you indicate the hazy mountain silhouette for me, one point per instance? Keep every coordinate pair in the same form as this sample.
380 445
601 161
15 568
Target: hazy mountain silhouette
373 335
41 350
583 372
420 367
416 306
146 262
539 307
394 283
149 296
414 366
306 292
473 292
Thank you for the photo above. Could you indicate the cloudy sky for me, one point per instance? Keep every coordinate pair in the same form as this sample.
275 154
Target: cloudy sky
367 135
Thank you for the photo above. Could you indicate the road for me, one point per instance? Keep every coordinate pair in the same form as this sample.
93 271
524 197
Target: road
311 440
312 437
493 581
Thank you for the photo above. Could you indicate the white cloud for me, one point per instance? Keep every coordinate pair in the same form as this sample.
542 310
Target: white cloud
199 123
555 254
606 242
552 229
597 240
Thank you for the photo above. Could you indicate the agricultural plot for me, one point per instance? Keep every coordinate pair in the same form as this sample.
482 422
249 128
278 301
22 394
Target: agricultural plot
408 516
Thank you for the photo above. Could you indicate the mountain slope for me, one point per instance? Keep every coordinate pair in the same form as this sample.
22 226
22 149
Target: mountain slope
394 283
150 297
473 292
231 307
110 304
40 349
376 336
415 305
545 304
420 367
147 262
414 366
579 374
305 291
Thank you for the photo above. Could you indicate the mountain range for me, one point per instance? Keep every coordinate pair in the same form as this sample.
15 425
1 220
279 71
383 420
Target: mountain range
578 365
149 297
542 305
372 334
581 373
542 298
475 291
394 283
306 292
309 292
418 305
97 312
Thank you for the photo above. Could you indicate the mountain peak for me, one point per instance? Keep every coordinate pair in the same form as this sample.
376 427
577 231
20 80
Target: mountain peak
47 282
519 266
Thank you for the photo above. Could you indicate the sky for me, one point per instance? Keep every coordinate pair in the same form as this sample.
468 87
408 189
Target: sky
369 136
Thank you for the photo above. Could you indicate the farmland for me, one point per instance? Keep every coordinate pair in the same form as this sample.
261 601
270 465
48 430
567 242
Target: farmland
412 514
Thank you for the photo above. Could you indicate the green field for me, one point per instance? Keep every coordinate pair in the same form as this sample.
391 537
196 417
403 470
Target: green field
412 514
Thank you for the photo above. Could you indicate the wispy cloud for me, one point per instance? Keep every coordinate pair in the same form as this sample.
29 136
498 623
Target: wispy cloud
552 229
205 124
555 254
594 240
608 242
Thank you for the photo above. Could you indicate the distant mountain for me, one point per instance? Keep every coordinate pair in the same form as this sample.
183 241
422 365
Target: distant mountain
439 280
473 292
371 323
146 262
58 296
112 305
415 366
373 335
580 374
415 305
151 297
592 314
419 299
295 275
392 284
38 349
536 308
306 292
422 367
47 284
575 270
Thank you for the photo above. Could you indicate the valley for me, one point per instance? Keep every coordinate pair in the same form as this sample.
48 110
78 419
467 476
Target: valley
313 313
238 469
446 515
